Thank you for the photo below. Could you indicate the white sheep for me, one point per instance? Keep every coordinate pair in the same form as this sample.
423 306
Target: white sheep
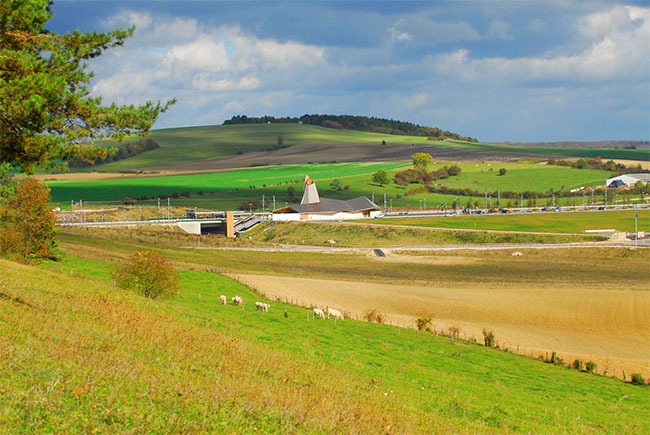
223 299
336 313
317 312
237 300
262 306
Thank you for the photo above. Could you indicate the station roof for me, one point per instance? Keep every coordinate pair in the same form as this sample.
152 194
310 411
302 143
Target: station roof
326 205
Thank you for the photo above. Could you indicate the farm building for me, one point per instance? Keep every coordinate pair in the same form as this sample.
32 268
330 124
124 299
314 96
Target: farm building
313 207
628 180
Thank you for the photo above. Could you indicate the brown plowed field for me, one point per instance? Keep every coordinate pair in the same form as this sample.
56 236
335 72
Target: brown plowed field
608 326
339 152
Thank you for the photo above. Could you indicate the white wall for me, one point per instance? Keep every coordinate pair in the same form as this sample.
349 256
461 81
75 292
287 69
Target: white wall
342 215
286 217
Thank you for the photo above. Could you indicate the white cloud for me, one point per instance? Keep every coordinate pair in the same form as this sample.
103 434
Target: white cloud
536 25
203 82
499 29
283 55
233 107
417 100
202 54
617 49
422 30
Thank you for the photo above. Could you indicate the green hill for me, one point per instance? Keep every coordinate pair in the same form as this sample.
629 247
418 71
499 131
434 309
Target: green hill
197 144
79 355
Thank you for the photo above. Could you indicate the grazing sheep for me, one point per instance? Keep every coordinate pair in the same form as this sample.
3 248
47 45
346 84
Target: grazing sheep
317 312
262 306
336 313
517 254
237 300
223 299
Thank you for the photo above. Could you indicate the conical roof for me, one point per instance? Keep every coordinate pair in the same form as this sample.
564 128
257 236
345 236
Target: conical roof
309 192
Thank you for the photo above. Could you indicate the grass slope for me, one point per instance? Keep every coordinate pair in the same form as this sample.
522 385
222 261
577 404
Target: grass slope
179 145
622 220
80 355
188 144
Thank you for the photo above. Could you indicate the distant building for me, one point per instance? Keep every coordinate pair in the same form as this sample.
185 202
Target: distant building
627 180
313 207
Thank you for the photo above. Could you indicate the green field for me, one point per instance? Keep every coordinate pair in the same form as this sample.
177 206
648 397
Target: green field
79 355
178 145
568 222
115 190
227 189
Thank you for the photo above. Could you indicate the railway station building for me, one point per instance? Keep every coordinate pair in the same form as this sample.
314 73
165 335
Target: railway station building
313 207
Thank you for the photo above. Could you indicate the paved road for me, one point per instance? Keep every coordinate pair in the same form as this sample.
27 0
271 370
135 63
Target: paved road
645 243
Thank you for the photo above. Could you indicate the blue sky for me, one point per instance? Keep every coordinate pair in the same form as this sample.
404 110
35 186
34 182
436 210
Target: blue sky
495 70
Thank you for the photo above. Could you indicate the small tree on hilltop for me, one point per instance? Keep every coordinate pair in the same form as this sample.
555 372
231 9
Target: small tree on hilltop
380 177
502 171
148 273
421 160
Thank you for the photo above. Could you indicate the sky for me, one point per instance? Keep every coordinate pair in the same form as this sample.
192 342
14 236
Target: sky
496 70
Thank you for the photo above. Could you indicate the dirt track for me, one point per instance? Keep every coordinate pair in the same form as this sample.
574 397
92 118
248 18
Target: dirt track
608 326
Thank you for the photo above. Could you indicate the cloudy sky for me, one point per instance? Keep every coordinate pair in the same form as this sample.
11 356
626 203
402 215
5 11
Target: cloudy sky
496 70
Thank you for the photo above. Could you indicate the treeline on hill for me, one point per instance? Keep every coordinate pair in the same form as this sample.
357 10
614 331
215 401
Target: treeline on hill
123 152
598 163
359 123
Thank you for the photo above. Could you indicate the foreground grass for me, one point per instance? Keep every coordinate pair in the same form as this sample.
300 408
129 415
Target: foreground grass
79 355
567 222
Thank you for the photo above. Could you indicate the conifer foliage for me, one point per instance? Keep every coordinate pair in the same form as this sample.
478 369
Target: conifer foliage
46 112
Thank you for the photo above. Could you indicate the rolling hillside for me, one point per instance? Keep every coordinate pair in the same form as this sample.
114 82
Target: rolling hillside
204 148
79 355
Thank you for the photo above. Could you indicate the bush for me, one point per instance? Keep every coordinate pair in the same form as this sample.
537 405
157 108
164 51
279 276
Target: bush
577 364
637 379
423 323
374 316
488 337
27 225
502 171
590 366
148 273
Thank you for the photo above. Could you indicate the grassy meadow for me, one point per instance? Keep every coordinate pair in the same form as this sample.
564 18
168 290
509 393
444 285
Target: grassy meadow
116 190
186 144
319 234
79 355
178 145
569 222
227 189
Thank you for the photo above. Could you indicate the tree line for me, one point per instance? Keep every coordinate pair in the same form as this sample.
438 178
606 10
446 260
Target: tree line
598 163
122 152
359 123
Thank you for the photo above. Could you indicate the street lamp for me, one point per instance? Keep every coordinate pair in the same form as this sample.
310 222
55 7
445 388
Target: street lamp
250 208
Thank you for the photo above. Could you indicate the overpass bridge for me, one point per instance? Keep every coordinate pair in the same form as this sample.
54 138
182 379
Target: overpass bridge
228 224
